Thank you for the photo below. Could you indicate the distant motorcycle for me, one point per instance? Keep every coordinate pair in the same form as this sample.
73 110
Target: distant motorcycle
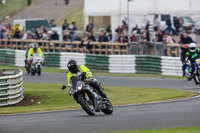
88 97
36 65
197 71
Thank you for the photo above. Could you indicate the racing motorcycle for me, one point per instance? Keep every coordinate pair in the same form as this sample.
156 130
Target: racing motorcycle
36 65
197 71
88 97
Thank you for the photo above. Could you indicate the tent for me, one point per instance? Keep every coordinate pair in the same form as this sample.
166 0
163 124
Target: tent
118 10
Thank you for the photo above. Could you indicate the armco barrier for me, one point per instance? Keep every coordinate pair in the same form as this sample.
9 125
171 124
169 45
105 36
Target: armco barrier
148 64
11 86
113 63
122 64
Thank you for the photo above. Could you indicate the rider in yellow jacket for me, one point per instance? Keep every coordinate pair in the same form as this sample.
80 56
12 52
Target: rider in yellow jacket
35 50
75 69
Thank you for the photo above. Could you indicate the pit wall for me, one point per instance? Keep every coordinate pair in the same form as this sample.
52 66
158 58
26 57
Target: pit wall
145 64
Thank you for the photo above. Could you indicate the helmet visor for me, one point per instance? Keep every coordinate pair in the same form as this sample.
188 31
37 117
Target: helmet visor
73 68
192 48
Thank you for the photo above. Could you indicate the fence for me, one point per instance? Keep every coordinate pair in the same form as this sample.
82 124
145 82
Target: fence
11 86
76 46
175 49
150 48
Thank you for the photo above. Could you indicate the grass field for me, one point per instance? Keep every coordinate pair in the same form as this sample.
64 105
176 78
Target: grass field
13 5
167 130
56 99
57 70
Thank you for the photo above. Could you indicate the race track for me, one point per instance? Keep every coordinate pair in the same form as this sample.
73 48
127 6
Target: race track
182 113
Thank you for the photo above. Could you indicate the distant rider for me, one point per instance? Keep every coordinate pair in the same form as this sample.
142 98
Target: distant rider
191 56
26 55
34 50
75 69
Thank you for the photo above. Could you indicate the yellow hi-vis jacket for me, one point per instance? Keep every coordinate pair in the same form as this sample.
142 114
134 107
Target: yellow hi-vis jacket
31 52
82 68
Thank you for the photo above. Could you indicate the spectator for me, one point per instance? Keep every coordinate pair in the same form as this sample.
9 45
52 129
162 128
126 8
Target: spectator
185 39
65 25
90 26
119 30
55 36
159 36
52 23
176 25
1 25
110 36
136 29
147 25
124 26
156 23
193 36
66 36
17 34
169 29
133 37
102 37
91 37
24 35
1 34
29 2
146 34
167 39
73 26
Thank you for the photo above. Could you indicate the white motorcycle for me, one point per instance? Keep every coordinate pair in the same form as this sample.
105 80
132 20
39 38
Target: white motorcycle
36 65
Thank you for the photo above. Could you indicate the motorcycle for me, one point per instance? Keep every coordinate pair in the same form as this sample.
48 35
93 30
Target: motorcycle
197 71
88 97
36 65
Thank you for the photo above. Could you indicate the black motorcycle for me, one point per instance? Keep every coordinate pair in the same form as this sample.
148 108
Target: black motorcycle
88 97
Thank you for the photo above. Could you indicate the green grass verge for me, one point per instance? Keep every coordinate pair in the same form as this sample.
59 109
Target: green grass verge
13 5
57 70
56 99
167 130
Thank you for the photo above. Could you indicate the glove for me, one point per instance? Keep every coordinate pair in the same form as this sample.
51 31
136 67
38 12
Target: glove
188 62
63 87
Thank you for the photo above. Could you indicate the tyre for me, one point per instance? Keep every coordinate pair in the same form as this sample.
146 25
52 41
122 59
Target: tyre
87 106
32 72
39 71
109 108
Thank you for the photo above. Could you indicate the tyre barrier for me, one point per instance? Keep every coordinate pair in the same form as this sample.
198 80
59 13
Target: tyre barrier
141 64
11 86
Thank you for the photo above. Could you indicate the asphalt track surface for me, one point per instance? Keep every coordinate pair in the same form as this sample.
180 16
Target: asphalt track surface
182 113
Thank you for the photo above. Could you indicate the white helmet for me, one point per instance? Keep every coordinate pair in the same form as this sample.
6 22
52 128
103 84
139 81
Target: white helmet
35 45
192 47
31 45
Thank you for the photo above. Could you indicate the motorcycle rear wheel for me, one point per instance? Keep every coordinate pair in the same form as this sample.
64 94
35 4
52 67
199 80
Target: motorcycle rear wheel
87 106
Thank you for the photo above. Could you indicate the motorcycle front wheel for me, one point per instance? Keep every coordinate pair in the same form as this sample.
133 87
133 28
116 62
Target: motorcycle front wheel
39 71
109 108
87 105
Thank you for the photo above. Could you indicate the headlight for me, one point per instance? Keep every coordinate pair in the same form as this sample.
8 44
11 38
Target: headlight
79 87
